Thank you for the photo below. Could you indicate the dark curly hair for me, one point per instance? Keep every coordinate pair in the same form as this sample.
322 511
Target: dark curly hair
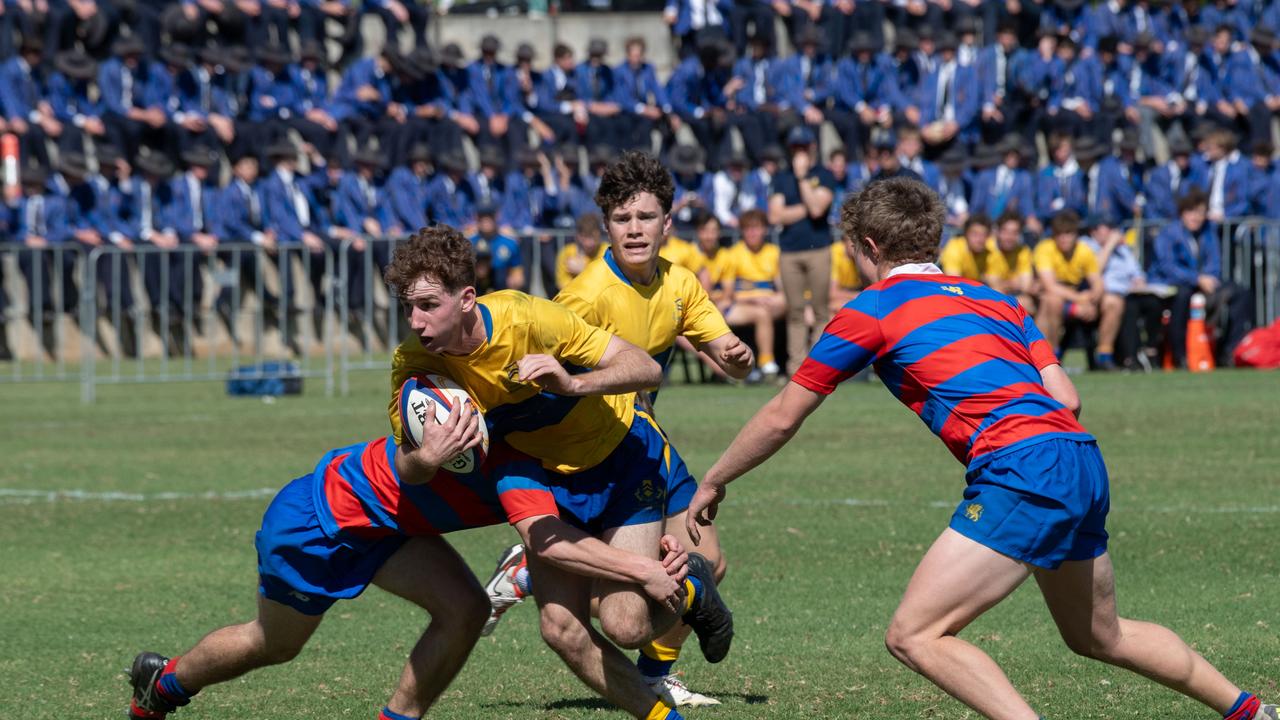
440 253
633 173
903 216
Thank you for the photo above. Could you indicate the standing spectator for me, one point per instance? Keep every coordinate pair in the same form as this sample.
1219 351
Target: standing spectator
586 247
695 22
750 292
1070 281
241 218
1228 177
643 99
800 201
46 258
1186 259
506 262
301 232
1169 182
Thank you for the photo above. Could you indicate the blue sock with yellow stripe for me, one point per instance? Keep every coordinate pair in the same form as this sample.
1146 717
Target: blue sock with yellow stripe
656 659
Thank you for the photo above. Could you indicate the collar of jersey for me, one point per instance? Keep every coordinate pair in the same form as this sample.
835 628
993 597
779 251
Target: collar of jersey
488 321
617 270
915 269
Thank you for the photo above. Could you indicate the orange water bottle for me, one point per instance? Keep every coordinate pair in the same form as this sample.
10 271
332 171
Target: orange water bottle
9 156
1199 344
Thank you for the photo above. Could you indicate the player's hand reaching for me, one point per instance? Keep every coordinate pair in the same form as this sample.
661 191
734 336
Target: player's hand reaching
441 442
675 558
547 372
666 590
702 508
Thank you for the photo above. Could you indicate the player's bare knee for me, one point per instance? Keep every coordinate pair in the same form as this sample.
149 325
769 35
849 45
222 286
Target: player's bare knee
468 613
902 645
624 619
563 632
278 653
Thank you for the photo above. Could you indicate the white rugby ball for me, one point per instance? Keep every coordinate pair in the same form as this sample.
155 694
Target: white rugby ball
419 393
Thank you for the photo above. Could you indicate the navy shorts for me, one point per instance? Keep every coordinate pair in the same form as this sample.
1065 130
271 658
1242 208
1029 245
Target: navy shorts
302 567
1042 503
643 480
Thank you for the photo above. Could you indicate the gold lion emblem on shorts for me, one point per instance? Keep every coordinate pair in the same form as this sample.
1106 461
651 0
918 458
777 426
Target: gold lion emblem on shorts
973 512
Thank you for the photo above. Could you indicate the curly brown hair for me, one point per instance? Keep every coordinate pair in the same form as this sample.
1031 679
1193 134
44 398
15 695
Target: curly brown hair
439 253
633 173
903 216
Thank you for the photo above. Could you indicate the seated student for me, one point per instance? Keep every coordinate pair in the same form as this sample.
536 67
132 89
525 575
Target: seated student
711 255
1186 260
846 281
1070 280
1126 300
586 246
967 255
1009 269
505 263
752 288
684 254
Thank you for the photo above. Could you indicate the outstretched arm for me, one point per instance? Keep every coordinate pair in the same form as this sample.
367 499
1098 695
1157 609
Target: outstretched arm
623 368
764 434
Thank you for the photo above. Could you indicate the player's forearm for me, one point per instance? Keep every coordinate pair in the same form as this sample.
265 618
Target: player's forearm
763 435
816 200
629 370
412 470
573 550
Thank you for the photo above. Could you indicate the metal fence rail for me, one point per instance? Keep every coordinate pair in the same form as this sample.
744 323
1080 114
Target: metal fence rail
147 314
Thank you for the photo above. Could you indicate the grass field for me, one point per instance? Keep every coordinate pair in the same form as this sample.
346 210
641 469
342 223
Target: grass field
820 543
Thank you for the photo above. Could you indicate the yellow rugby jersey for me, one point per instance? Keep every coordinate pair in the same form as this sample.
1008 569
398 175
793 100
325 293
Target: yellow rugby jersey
649 316
751 273
563 276
843 270
1008 265
567 434
958 259
1068 270
682 253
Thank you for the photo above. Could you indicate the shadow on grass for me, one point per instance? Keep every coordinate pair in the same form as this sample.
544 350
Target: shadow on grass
594 703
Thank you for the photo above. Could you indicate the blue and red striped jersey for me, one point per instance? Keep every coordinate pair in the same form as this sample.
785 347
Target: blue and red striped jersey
358 492
962 356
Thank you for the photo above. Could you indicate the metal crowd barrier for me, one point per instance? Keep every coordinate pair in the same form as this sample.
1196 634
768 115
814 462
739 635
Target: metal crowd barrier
152 315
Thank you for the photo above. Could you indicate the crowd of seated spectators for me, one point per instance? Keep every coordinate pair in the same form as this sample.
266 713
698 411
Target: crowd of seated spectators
206 124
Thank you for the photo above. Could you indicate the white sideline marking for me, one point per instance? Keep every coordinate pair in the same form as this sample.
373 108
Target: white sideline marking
15 496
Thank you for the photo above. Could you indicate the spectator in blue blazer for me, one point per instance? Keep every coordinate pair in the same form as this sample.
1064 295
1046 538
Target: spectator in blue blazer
1179 175
758 15
644 100
525 91
949 99
204 109
407 190
1060 185
47 257
449 197
1261 175
489 80
698 97
804 81
559 106
453 72
1227 181
1075 94
192 218
1109 193
1007 186
1187 259
132 93
758 107
695 22
598 92
907 70
301 232
27 112
1004 104
865 92
1257 81
76 101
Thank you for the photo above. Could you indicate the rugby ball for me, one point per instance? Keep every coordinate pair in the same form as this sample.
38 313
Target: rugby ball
419 393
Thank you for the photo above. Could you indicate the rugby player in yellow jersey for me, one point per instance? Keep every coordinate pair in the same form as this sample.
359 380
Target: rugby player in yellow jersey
751 286
1011 272
846 281
642 298
1070 280
586 246
524 362
682 253
968 254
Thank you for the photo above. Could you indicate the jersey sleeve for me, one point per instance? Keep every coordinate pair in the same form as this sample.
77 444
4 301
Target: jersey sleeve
848 344
521 484
1088 261
1023 265
579 306
702 322
1043 257
1041 353
568 337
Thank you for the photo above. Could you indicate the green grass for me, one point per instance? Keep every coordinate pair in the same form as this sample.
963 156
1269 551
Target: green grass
820 542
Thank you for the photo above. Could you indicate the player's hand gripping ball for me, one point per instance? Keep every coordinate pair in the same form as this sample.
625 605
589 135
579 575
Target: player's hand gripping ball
422 391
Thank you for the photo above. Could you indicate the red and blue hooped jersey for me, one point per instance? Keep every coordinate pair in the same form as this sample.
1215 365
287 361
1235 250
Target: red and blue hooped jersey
359 493
962 356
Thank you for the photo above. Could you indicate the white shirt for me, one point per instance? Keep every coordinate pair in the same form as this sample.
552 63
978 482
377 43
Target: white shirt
946 93
197 208
300 205
915 269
